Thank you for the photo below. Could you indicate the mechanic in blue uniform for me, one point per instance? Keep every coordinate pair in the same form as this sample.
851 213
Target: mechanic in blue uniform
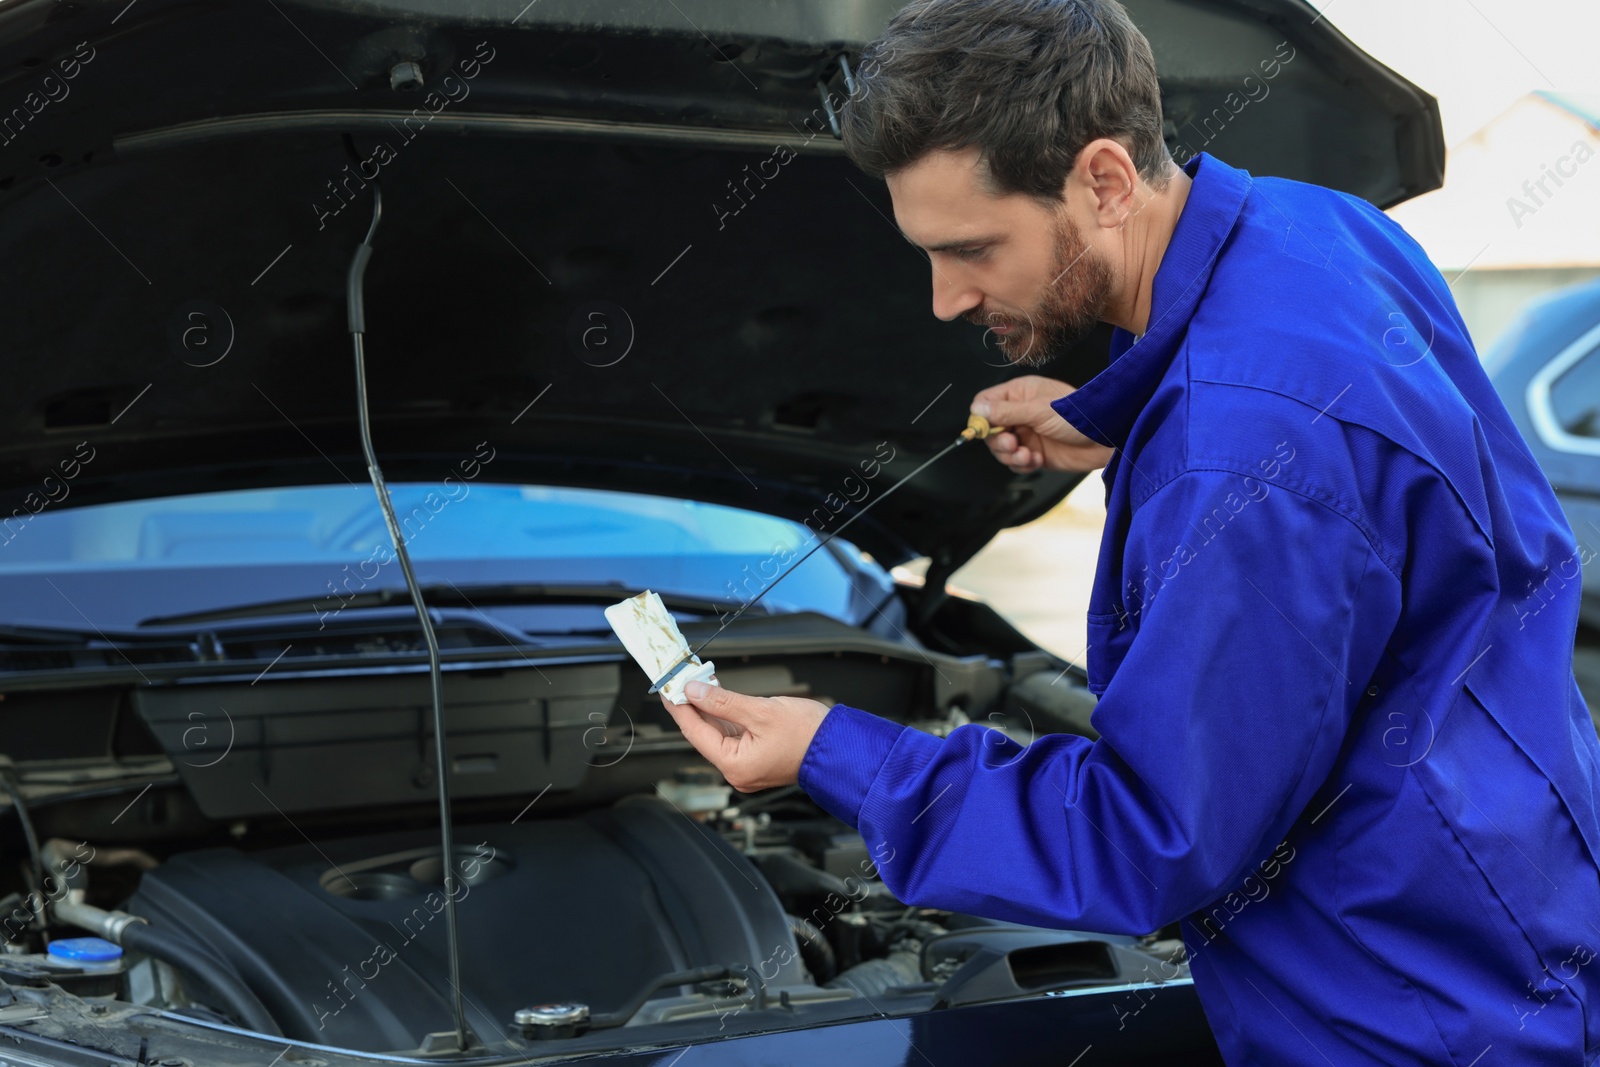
1340 738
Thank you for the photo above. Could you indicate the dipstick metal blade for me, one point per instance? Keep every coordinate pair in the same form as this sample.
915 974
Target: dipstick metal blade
670 675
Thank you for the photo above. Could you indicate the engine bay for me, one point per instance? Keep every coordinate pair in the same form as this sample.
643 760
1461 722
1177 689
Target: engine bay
610 887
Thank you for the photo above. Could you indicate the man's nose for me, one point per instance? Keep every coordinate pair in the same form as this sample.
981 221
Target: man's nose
953 294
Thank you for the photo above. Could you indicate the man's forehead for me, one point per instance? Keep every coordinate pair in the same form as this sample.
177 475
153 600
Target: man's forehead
941 199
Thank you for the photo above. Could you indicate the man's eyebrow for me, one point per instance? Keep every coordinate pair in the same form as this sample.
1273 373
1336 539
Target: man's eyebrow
950 246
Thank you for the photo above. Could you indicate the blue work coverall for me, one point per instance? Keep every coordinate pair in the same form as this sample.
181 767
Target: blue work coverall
1331 632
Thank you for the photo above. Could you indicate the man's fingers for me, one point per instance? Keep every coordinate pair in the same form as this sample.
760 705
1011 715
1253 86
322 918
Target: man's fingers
706 738
723 703
1003 412
1020 452
728 727
1011 400
1023 461
713 713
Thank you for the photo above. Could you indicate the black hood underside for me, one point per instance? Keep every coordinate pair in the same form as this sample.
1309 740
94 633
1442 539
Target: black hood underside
620 246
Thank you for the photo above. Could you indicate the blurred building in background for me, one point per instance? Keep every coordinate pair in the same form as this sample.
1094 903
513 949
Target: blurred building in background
1519 214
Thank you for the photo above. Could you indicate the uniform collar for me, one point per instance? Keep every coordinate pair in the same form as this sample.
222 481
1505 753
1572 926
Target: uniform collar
1105 408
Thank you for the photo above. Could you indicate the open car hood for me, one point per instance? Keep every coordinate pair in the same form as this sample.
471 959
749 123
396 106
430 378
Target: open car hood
620 244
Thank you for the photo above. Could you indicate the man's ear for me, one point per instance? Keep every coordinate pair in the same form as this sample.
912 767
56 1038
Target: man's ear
1106 181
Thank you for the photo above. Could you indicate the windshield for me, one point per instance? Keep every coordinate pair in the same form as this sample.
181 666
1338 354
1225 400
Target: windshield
113 565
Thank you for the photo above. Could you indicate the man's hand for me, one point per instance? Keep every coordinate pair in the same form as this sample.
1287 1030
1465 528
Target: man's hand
756 742
1035 435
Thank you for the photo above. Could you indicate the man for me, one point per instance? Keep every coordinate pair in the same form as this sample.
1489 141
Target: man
1337 744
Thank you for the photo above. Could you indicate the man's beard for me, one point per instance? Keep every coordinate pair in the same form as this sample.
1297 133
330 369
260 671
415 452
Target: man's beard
1068 311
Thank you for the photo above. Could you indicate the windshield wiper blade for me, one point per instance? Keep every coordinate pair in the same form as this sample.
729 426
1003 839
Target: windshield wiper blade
448 594
45 635
377 598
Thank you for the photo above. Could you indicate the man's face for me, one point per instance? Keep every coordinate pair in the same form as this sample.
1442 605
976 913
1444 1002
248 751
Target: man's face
1009 263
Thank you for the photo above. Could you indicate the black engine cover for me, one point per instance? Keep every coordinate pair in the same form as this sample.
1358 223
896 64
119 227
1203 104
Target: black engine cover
345 944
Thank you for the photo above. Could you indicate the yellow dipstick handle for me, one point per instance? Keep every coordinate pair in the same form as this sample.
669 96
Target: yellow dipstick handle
978 428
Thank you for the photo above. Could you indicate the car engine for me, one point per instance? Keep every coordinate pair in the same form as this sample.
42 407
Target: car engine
345 944
624 916
609 886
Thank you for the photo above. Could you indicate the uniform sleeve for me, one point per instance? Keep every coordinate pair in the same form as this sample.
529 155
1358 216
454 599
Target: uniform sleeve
1246 650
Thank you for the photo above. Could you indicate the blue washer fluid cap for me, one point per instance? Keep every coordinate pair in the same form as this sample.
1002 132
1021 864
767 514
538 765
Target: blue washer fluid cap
85 950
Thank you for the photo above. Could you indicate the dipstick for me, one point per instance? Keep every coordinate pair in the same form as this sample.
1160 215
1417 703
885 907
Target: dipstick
977 428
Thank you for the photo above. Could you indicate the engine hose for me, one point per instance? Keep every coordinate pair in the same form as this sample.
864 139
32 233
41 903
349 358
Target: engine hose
232 994
13 788
792 878
814 949
874 978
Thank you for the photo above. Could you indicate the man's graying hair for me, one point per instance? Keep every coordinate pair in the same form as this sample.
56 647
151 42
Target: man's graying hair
1028 82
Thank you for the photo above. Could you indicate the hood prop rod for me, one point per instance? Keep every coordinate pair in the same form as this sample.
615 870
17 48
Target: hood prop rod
447 858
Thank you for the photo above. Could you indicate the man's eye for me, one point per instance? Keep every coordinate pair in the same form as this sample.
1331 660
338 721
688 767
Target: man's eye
969 253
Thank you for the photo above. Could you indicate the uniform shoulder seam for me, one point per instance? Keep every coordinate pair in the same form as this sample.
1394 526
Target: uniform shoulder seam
1300 489
1375 431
